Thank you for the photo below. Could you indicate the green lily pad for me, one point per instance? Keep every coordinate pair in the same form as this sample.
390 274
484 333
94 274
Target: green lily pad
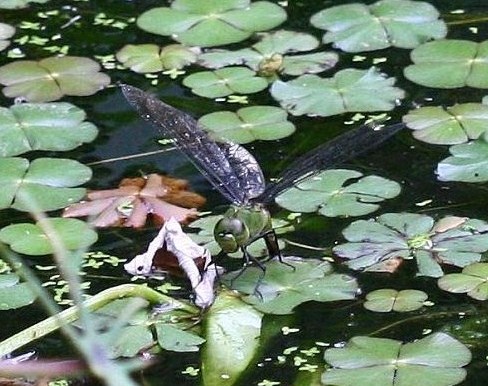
465 61
6 32
391 236
51 78
46 181
338 192
448 126
43 126
468 163
175 339
147 58
13 293
436 360
387 23
212 22
273 54
249 124
348 90
283 288
226 81
387 300
13 4
473 280
30 239
232 329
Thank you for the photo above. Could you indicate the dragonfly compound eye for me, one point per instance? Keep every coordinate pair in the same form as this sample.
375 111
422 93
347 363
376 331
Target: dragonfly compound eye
230 234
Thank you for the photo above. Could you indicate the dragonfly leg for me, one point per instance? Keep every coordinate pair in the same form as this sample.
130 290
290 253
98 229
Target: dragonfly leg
273 249
249 260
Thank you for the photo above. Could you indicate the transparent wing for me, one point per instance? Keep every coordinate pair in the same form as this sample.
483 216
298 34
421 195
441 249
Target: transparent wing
326 156
229 167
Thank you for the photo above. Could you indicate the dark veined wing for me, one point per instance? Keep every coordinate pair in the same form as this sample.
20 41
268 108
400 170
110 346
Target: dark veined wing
229 167
326 156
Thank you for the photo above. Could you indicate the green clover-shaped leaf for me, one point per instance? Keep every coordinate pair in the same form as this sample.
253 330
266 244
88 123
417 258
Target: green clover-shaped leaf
338 192
51 78
387 300
399 23
43 126
348 90
465 62
45 184
473 280
13 293
211 22
6 32
13 4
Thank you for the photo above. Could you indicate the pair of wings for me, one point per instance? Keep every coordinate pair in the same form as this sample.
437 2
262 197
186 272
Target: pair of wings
231 168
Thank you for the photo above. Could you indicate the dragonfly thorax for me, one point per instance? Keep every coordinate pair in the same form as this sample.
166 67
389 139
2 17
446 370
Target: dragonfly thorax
240 226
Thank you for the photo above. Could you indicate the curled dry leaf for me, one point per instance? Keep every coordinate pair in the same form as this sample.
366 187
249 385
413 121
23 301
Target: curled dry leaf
130 204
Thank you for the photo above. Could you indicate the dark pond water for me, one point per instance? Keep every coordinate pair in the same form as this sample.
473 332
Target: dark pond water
402 159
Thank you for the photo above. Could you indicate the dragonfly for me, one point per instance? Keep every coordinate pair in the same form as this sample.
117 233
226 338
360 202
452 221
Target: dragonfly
236 174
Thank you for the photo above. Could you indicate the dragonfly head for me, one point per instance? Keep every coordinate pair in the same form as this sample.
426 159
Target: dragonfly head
231 233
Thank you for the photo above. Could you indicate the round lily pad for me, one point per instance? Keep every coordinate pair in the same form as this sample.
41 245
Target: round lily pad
450 64
338 192
348 90
147 58
51 78
31 239
225 81
6 32
211 22
249 124
46 182
387 300
450 125
399 23
473 280
13 4
13 293
43 126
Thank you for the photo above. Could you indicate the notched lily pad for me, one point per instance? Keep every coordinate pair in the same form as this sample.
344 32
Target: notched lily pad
13 293
473 280
348 90
468 163
283 288
211 22
338 192
226 81
399 23
43 126
448 126
376 242
249 124
31 239
6 32
147 58
366 361
46 181
387 300
13 4
274 54
465 62
51 78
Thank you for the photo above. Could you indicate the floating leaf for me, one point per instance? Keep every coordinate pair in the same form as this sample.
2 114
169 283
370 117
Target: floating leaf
399 23
147 58
283 288
175 339
13 293
273 55
12 4
473 280
51 78
6 32
211 22
407 236
436 360
387 300
43 126
46 181
338 192
347 90
249 124
30 239
448 126
223 82
468 163
465 62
